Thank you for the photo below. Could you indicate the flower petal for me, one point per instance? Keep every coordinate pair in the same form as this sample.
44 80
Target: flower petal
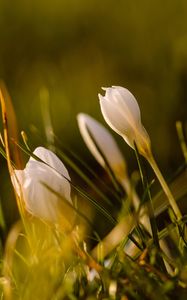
115 117
39 200
94 132
127 98
121 111
50 159
42 185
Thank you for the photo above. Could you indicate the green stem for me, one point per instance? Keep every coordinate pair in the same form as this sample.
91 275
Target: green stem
165 187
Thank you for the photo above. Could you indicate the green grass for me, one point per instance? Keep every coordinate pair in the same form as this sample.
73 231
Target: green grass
43 260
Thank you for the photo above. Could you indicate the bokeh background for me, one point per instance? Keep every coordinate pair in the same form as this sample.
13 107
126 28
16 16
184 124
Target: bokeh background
73 48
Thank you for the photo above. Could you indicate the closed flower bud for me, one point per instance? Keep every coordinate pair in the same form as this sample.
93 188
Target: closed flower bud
121 112
101 143
38 183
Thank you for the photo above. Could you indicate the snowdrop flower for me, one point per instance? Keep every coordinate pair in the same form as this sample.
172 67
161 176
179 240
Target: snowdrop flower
99 141
121 112
31 184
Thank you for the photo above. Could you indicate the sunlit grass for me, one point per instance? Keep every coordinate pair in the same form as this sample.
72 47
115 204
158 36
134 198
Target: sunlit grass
70 258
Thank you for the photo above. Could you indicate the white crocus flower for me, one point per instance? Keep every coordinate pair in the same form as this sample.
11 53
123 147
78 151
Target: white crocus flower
101 143
121 112
39 181
94 134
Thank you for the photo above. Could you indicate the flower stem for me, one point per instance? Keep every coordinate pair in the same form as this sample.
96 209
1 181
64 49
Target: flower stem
165 187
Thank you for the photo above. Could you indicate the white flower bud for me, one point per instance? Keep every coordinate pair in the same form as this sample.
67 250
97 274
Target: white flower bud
32 184
99 141
121 112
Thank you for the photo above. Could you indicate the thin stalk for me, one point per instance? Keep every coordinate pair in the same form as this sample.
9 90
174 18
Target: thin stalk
165 187
150 210
131 193
114 237
182 139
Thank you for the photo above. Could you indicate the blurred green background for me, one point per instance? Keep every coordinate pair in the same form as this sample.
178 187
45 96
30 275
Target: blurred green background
74 47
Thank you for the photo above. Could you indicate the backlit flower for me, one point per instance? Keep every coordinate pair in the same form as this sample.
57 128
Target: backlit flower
121 112
101 144
38 183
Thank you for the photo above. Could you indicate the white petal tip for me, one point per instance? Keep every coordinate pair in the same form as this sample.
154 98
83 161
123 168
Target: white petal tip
101 97
80 116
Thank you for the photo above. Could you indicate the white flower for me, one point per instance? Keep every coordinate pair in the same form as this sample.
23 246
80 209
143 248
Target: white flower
99 141
32 184
121 112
